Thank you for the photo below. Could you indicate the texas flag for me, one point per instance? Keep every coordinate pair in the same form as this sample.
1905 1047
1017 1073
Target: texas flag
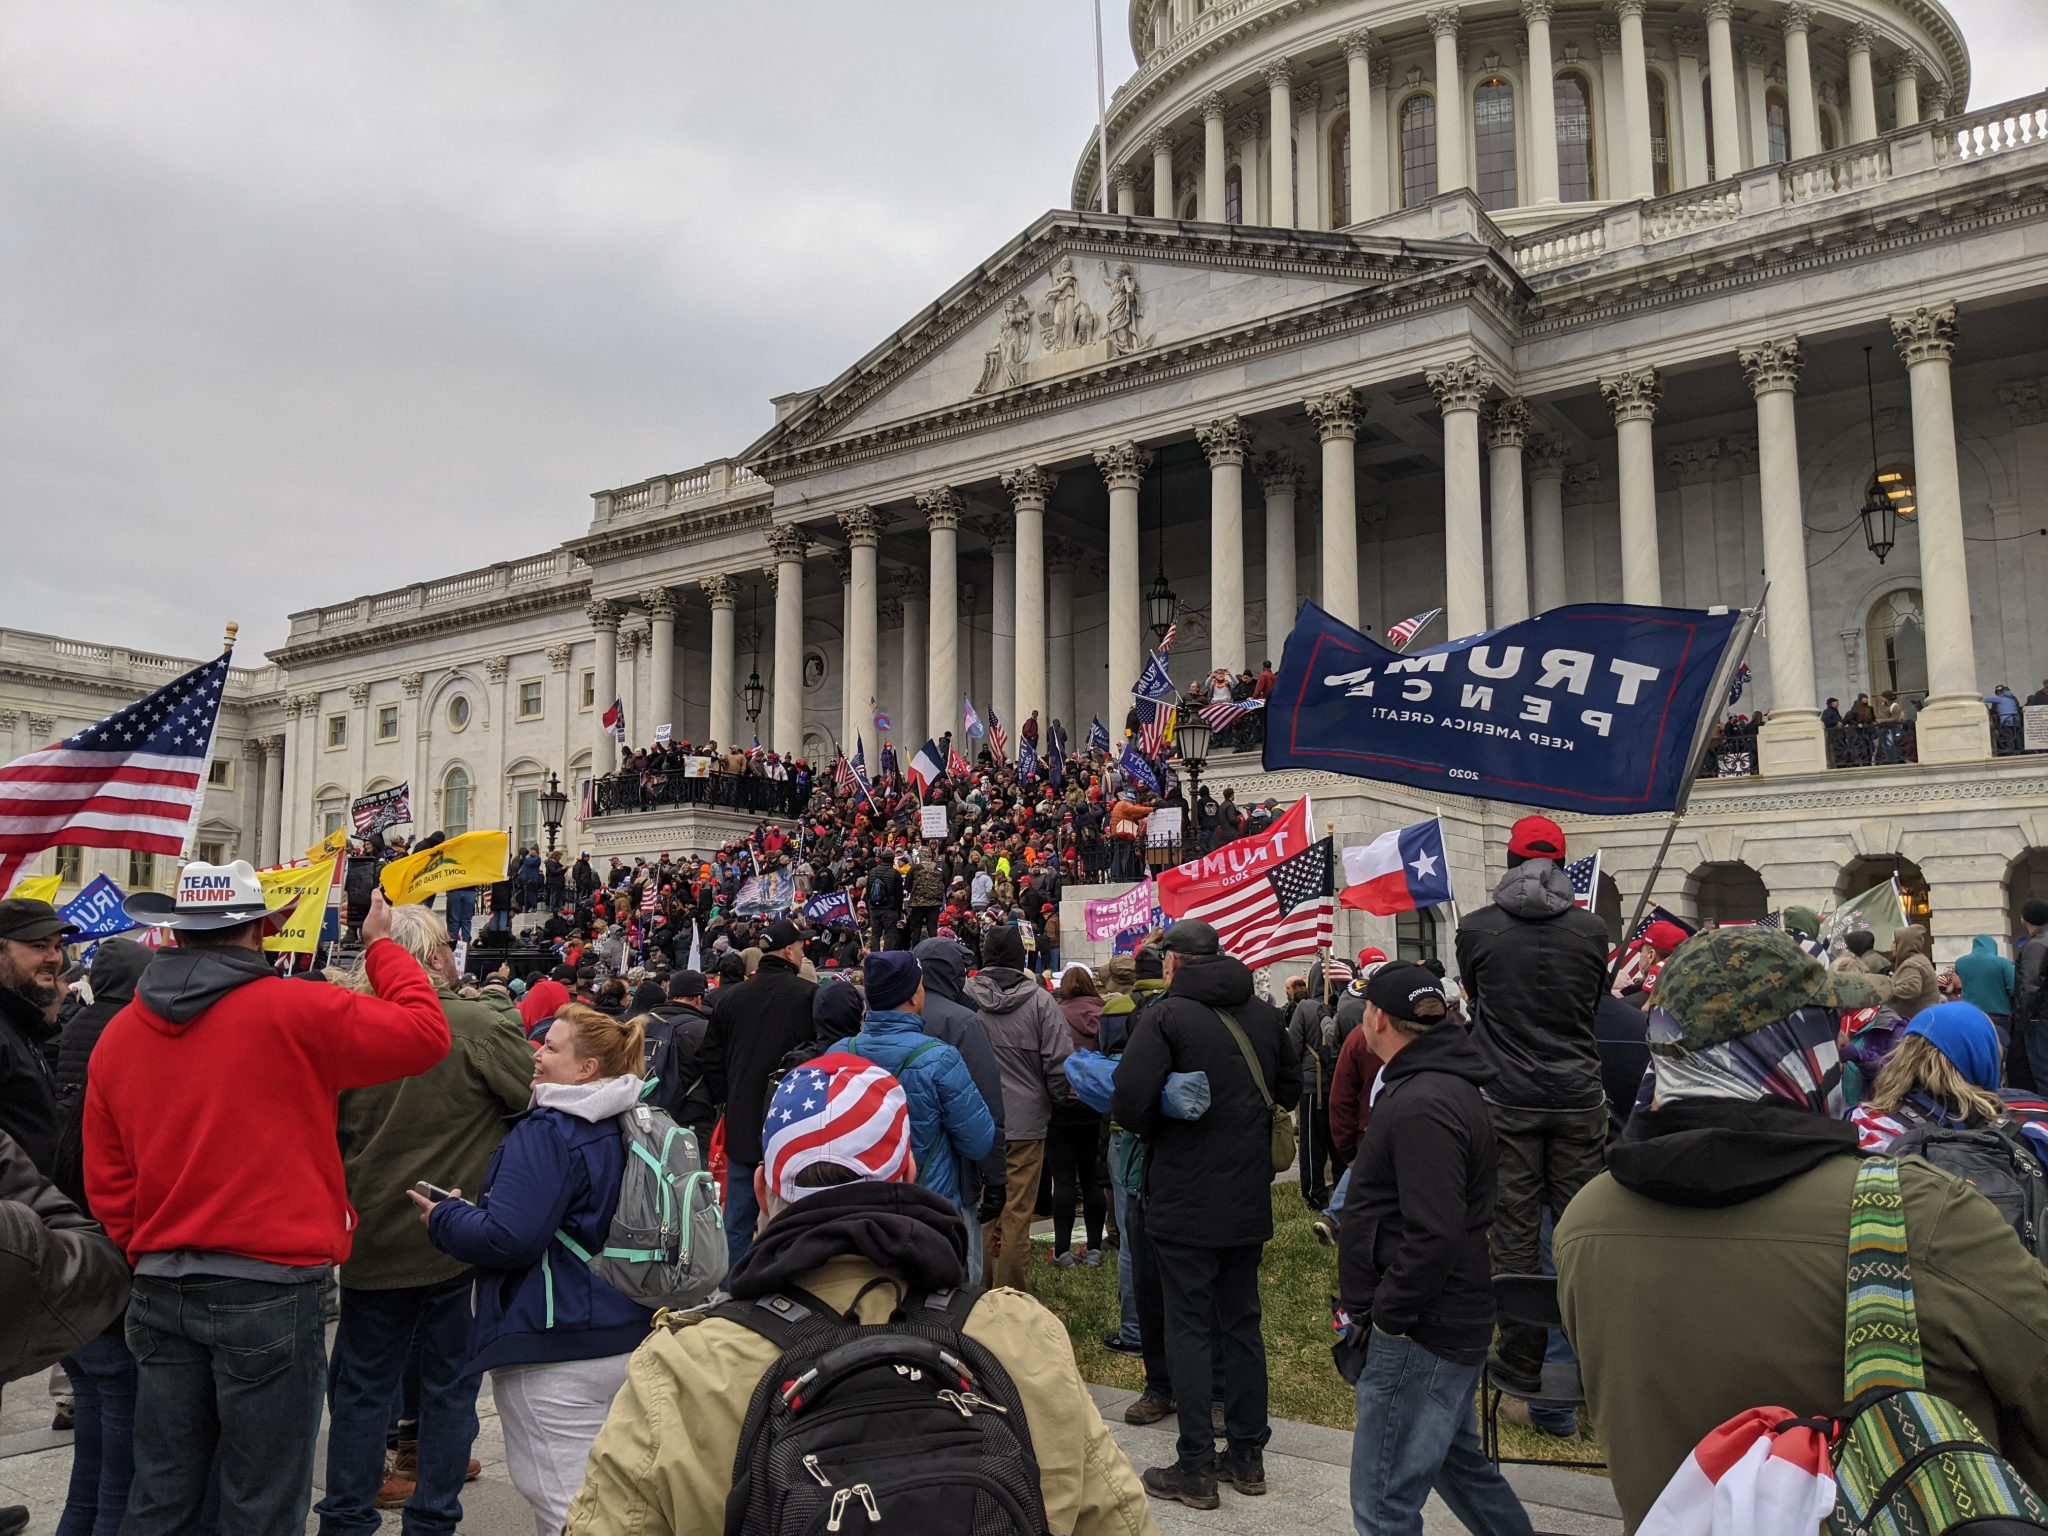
1398 871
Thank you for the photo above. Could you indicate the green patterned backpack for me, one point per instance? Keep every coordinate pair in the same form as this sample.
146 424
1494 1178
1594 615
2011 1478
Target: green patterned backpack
1906 1462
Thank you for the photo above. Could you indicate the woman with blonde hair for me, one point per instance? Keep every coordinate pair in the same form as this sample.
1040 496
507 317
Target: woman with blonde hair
554 1336
1944 1071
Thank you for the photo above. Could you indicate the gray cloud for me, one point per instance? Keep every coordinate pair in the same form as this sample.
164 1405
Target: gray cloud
306 300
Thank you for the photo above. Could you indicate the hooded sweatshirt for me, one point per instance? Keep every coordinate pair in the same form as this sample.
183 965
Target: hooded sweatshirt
210 1107
117 965
949 1017
1986 975
1031 1043
1533 966
1912 984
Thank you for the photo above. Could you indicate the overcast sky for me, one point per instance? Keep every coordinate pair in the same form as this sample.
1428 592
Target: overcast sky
306 298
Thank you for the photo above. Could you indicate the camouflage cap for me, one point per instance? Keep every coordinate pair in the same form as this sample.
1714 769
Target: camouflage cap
1727 982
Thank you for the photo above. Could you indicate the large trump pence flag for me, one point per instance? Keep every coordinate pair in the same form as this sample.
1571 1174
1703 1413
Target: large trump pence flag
1594 708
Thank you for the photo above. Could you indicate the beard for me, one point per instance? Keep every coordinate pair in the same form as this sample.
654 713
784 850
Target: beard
38 987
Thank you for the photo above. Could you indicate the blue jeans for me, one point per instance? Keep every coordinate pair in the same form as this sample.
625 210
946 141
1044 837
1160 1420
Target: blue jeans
1334 1209
974 1254
371 1348
1126 1290
228 1386
103 1450
1558 1351
461 913
1418 1429
742 1214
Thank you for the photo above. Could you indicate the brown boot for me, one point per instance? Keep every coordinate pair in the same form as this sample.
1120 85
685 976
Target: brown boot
1149 1408
395 1492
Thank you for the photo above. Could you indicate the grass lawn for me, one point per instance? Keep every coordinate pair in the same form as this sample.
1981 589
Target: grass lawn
1296 1280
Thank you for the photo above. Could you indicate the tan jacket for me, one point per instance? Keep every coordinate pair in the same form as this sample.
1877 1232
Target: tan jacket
663 1461
1912 985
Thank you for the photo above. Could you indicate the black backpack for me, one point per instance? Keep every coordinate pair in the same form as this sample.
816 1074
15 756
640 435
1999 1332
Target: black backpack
903 1427
1998 1162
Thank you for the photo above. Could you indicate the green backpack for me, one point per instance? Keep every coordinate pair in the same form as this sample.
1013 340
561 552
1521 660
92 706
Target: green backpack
1907 1463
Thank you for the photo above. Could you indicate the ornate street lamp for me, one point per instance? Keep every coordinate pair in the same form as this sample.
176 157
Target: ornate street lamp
754 691
1880 515
1161 603
554 806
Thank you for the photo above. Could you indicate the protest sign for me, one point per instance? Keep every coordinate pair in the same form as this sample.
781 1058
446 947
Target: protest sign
385 808
1114 914
661 732
2034 727
932 821
1163 827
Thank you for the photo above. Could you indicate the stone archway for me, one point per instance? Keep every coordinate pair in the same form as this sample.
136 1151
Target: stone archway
1869 869
2026 879
1727 893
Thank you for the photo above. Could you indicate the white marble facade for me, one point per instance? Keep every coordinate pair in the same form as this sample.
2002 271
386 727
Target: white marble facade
1491 403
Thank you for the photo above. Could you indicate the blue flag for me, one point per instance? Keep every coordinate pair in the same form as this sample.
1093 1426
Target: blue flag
1027 759
1136 769
1153 683
1098 735
1056 756
1594 708
975 729
831 907
96 911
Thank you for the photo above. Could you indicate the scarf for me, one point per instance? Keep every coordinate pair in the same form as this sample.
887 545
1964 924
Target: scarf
898 1227
1795 1060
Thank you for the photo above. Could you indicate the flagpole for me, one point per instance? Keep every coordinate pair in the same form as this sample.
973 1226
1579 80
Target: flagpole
1452 885
227 647
1101 112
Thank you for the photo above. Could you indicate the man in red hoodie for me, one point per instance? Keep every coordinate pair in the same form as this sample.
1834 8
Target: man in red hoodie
211 1159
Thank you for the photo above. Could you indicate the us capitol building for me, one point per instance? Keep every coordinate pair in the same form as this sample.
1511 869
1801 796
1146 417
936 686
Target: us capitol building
1497 305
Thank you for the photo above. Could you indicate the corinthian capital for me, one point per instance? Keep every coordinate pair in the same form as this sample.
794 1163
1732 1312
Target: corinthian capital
1534 11
1280 473
1627 9
723 591
1123 465
1633 395
1926 335
659 602
1358 44
1860 37
1161 142
787 542
1507 423
1213 105
1772 365
1334 411
1030 485
1308 96
602 613
1797 17
1279 75
1460 386
1224 440
941 507
1444 22
862 527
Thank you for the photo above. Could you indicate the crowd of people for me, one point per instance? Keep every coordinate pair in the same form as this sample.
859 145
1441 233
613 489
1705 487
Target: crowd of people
882 1098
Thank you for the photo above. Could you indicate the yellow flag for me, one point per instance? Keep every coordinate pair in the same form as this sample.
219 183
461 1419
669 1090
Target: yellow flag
37 887
335 842
475 858
310 883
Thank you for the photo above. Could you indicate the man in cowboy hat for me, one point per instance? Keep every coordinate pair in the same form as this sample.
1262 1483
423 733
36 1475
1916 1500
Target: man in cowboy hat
211 1158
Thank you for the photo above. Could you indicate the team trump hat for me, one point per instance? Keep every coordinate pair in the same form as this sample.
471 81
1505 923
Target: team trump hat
209 896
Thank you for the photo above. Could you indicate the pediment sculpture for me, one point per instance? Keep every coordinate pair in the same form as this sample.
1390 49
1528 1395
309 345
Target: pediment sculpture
1065 327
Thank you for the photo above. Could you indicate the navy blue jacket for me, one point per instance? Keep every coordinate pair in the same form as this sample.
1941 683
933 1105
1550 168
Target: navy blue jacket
554 1170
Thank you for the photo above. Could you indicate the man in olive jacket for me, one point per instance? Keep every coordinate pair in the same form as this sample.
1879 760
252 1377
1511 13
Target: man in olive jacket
1208 1198
396 1287
1705 1273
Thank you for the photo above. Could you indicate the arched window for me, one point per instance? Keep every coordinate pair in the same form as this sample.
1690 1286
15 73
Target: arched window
1660 137
1896 481
1779 120
1574 99
1233 196
1415 935
1340 172
1418 149
1493 136
1830 133
455 802
1188 208
1896 638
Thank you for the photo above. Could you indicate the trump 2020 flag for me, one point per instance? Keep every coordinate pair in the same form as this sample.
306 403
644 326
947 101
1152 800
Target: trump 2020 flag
1137 770
1098 735
1398 871
1596 708
830 907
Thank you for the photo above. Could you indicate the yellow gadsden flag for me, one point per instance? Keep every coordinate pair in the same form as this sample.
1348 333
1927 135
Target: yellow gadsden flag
474 858
333 844
310 883
37 887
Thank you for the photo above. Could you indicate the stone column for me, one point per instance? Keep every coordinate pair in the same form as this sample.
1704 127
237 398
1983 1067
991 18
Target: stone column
1507 429
628 684
1364 132
1800 108
1721 82
272 844
863 529
661 657
1062 559
1953 725
1030 487
1451 111
1002 620
1692 110
1280 479
1862 85
849 717
1906 90
1279 112
419 734
1162 175
1635 98
1246 128
1123 467
249 813
604 624
786 544
914 708
1308 138
1792 741
1611 180
1756 85
1215 151
1126 185
941 508
1934 100
964 601
1461 389
1335 413
724 594
1633 396
1546 523
1382 78
1542 92
1224 441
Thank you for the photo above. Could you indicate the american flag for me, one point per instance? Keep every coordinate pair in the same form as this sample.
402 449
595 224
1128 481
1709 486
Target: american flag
1287 912
1657 914
1584 875
1225 713
1399 636
998 738
135 780
1155 719
957 766
1772 920
1337 971
1166 640
842 778
648 895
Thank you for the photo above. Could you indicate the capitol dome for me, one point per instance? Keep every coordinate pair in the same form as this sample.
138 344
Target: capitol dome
1644 98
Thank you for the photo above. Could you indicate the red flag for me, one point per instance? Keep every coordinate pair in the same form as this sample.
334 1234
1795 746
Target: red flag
1248 858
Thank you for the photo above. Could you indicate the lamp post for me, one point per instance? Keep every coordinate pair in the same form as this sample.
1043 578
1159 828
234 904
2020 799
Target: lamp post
554 805
1880 515
753 693
1191 740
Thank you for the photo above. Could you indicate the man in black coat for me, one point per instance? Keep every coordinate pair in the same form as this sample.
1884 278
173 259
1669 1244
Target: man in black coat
1208 1198
948 1016
1534 966
675 1045
32 938
1413 1271
754 1024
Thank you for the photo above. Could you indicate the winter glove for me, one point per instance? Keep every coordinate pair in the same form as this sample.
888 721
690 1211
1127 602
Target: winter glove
991 1203
1185 1096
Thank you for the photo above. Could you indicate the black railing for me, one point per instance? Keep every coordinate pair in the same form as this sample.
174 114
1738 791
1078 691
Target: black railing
2008 738
1247 733
1868 746
620 794
1732 753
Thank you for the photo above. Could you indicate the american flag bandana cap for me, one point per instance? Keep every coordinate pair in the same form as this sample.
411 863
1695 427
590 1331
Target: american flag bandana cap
838 1108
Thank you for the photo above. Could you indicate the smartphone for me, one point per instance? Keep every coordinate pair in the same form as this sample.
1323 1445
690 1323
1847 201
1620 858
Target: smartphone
431 1192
